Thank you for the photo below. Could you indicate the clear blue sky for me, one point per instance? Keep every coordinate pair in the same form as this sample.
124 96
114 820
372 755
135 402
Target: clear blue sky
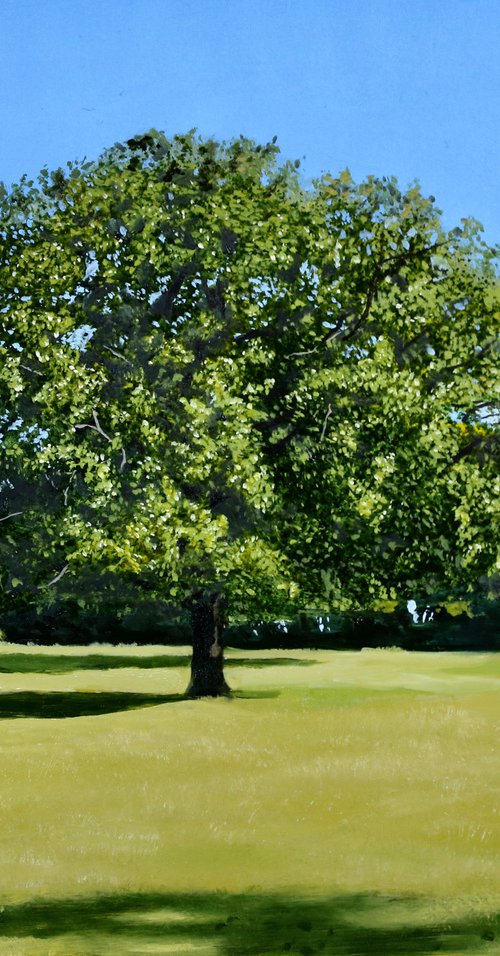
403 87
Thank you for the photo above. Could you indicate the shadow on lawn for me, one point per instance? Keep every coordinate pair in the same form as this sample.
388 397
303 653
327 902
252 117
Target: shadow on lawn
76 703
57 705
66 663
250 924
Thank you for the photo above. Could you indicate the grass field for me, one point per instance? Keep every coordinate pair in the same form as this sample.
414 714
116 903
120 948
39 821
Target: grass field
339 803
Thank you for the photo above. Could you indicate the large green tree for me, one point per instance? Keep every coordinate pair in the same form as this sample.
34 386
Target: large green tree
214 381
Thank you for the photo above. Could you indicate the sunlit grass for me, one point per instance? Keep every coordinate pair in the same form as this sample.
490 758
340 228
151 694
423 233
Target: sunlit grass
371 774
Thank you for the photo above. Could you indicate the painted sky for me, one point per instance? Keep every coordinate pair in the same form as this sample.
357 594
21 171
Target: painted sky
392 87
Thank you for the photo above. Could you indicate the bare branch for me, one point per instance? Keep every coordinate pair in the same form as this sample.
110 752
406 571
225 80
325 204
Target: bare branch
96 427
118 355
123 461
58 576
87 426
327 416
33 370
301 354
12 515
337 329
66 490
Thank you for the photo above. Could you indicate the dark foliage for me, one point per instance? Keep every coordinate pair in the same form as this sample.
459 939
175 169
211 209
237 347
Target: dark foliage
151 624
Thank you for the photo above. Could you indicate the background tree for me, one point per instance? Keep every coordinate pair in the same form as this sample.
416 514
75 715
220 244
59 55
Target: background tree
215 381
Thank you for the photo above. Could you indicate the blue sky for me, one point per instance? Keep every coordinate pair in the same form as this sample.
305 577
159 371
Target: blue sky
392 87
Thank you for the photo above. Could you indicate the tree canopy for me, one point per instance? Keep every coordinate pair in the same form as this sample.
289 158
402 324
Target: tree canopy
212 376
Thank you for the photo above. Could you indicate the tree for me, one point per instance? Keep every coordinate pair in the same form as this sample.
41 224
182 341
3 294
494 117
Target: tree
220 387
392 411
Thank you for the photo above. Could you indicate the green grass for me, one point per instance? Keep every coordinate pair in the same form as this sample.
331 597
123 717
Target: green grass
348 806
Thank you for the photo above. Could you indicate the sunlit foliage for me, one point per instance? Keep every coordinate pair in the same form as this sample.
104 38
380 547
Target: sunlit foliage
211 376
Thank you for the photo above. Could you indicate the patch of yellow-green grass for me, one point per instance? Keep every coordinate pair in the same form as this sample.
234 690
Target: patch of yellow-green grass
331 784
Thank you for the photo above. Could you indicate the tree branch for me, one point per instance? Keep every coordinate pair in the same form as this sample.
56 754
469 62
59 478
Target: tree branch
435 379
164 304
96 427
32 370
57 577
379 274
12 515
118 355
302 354
327 416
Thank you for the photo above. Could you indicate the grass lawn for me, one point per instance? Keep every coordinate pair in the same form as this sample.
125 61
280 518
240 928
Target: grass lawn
340 803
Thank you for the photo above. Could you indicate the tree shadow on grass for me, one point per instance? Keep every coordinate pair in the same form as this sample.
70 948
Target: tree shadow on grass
51 663
76 703
58 705
253 924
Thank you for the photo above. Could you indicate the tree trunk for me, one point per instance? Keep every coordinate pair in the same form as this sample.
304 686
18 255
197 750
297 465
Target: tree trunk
207 665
